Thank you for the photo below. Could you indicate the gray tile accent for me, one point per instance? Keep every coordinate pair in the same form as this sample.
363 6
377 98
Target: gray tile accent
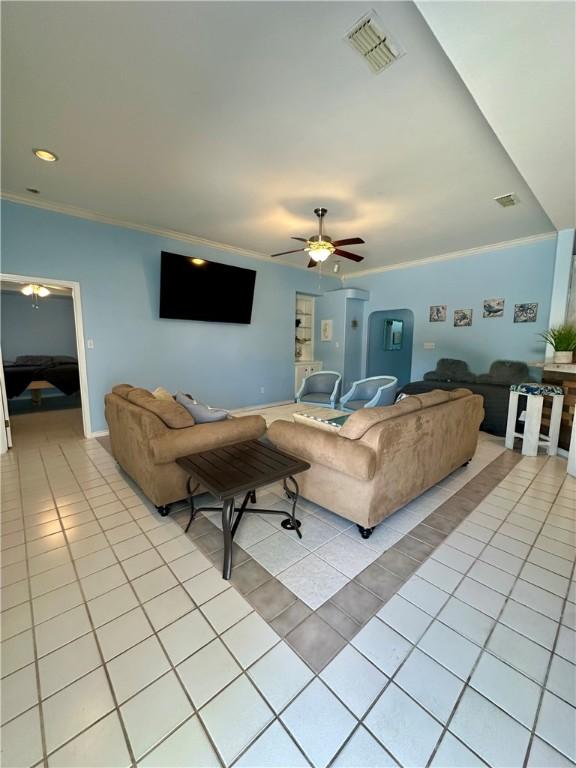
317 636
290 618
357 602
316 642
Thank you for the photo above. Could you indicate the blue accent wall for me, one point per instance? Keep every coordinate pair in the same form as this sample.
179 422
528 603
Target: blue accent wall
383 362
518 274
119 274
48 330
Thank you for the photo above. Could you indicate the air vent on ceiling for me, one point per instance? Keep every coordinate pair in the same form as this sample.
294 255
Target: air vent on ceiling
507 200
373 43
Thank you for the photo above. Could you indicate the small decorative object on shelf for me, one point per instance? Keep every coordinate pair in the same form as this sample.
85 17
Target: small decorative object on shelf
562 339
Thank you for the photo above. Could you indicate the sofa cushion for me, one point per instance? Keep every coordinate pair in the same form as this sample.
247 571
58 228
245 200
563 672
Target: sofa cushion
437 396
361 421
506 372
161 393
171 413
122 390
316 397
449 369
202 414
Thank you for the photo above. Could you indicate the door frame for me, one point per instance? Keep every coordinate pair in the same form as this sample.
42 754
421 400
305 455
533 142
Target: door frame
79 329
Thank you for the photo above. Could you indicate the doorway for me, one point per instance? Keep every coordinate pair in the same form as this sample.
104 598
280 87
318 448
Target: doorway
43 368
389 352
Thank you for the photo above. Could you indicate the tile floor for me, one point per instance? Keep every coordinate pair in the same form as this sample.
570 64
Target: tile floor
122 646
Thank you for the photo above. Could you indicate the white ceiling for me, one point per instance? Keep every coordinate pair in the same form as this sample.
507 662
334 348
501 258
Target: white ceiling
527 50
232 121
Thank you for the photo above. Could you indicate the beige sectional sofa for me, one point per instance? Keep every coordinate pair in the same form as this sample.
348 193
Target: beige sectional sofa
382 458
148 435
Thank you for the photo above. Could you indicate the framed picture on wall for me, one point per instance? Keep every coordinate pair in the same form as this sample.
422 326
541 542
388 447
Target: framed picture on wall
326 330
493 308
438 313
525 313
462 318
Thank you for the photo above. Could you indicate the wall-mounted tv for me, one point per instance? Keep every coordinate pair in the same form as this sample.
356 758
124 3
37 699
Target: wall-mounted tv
196 289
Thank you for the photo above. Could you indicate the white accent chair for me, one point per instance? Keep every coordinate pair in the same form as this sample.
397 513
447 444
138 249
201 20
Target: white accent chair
373 392
531 437
320 388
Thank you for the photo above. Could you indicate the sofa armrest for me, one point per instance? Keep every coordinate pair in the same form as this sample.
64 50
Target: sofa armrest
320 447
176 443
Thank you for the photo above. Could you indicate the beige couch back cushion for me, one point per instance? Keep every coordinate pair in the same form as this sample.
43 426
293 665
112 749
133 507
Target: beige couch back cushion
361 421
171 413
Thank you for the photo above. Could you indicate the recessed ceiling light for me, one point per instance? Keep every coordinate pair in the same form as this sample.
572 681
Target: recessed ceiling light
198 262
46 155
34 191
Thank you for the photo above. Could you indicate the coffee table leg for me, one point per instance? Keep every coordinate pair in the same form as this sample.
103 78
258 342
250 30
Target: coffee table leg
191 501
227 513
291 523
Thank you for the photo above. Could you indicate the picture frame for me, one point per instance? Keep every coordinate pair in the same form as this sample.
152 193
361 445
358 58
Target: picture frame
326 330
493 308
526 313
437 313
462 318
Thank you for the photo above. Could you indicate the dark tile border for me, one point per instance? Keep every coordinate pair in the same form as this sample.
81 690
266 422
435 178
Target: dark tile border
318 636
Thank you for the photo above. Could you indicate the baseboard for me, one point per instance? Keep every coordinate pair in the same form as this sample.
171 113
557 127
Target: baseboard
101 433
259 406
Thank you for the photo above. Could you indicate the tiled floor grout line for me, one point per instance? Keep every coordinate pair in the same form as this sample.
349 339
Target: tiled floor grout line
244 671
35 651
100 653
543 688
484 647
415 645
170 662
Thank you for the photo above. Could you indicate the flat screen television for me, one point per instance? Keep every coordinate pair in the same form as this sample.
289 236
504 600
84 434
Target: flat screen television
197 289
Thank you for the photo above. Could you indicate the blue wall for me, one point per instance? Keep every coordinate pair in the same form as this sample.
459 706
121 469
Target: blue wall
48 330
119 274
379 360
518 274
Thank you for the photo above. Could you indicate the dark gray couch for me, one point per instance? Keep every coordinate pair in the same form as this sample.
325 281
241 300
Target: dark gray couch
494 386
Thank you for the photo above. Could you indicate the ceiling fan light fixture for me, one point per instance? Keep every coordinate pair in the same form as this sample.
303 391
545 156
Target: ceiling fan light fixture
36 290
320 250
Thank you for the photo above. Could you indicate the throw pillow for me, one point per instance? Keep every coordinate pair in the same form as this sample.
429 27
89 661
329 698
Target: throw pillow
160 393
201 413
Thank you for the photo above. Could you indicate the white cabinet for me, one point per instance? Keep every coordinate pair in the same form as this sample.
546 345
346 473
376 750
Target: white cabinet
304 369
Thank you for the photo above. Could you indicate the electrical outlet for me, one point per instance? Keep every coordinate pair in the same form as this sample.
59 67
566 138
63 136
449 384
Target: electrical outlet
429 345
90 343
261 390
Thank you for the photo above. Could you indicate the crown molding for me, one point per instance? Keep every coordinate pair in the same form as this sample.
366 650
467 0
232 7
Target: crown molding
453 255
185 237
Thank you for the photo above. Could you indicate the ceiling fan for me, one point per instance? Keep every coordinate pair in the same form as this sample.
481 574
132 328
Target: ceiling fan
319 247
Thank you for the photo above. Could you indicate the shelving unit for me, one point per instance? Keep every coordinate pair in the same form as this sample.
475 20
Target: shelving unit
304 339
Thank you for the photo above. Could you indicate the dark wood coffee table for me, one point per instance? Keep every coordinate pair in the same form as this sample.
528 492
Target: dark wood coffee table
238 470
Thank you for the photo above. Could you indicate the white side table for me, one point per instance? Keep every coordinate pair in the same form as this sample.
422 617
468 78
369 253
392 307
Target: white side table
531 438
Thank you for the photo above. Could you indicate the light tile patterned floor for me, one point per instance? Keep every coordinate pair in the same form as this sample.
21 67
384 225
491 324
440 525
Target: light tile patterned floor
122 646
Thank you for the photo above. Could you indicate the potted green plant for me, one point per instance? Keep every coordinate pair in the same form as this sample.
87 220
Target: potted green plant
562 338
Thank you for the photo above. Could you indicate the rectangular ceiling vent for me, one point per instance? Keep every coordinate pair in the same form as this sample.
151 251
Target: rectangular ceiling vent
373 43
507 200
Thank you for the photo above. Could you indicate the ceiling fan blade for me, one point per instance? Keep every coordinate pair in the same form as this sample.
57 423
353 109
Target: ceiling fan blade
348 241
312 263
302 239
348 255
285 252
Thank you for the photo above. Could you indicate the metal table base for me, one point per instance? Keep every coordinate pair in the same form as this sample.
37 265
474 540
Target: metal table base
232 515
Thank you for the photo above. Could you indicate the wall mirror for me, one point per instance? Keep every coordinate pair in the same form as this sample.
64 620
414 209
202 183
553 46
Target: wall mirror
393 331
